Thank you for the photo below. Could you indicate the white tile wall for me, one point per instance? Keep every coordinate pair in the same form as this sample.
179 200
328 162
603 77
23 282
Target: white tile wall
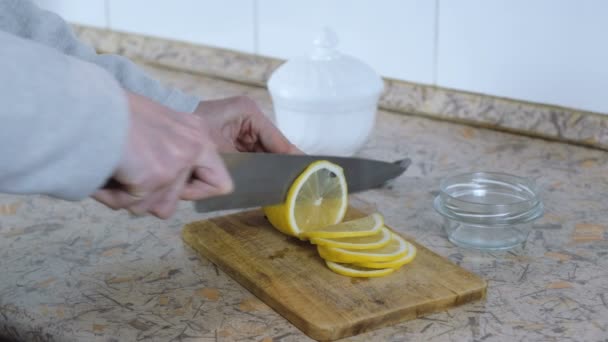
89 12
396 37
550 51
226 23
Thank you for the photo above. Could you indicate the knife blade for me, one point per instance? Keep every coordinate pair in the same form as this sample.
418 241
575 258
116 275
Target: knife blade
264 178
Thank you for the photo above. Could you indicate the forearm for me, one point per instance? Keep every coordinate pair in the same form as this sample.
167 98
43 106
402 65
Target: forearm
63 124
26 20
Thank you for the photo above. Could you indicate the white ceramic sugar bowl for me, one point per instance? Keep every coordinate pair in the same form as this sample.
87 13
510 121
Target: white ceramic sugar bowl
326 102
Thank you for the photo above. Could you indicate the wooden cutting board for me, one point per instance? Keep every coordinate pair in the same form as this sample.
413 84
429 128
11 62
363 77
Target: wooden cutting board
289 276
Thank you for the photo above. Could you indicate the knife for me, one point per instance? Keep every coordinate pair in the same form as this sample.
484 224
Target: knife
262 179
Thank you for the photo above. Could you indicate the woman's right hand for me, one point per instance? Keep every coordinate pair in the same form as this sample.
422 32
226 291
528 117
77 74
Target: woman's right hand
168 156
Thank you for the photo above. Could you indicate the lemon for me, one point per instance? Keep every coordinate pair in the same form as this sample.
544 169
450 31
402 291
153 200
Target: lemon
394 250
407 258
366 226
317 198
357 271
380 239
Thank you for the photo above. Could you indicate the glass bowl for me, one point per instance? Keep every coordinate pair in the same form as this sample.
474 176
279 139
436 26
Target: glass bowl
488 210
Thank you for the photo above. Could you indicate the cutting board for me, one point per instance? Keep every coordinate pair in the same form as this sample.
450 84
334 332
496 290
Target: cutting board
289 276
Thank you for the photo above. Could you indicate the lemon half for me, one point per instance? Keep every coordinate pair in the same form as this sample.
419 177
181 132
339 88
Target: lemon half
316 199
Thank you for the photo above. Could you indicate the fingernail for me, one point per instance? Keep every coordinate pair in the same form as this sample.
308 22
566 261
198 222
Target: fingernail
223 182
228 188
222 178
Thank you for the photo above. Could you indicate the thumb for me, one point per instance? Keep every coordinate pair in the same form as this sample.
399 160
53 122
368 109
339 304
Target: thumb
272 140
209 177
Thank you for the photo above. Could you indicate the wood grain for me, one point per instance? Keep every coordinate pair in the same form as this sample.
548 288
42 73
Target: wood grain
289 276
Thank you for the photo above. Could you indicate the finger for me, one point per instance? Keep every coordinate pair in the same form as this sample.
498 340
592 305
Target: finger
143 206
115 198
166 206
209 178
212 170
295 150
271 139
199 187
197 190
152 200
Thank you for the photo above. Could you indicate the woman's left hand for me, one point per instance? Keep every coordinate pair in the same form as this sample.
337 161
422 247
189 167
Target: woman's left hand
238 124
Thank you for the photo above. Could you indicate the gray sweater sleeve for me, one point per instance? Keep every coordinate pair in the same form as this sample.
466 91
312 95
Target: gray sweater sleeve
25 19
63 122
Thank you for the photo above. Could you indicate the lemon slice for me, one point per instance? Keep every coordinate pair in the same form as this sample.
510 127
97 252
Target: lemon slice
380 239
406 259
394 250
317 198
366 226
357 271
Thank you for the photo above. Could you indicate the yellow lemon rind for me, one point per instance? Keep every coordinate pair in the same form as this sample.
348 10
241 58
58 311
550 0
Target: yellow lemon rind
406 259
341 255
384 235
324 233
347 270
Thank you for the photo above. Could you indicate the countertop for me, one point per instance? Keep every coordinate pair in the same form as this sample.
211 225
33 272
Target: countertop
79 271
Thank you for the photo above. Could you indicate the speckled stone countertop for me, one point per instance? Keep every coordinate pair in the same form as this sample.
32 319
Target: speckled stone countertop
79 271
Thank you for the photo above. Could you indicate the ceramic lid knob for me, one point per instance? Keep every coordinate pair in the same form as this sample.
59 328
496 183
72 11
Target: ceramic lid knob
325 45
324 76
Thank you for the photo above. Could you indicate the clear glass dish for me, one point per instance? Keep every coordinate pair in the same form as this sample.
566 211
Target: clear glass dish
488 210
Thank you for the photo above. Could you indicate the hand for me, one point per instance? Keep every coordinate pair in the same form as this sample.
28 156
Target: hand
238 124
168 156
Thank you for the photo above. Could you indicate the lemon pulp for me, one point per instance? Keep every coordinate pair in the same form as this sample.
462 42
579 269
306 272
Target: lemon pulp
317 198
365 226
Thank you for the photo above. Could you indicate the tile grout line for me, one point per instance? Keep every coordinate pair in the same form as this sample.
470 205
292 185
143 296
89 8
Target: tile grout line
436 43
256 43
106 10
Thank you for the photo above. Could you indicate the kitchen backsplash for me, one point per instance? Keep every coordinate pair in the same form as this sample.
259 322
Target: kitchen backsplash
546 51
556 123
